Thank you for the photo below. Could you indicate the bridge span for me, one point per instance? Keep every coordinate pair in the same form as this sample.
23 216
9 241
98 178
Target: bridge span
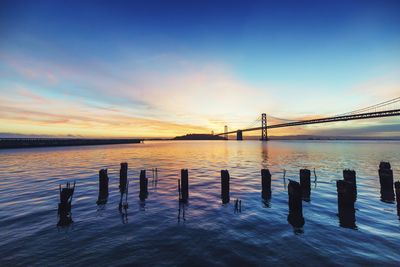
365 113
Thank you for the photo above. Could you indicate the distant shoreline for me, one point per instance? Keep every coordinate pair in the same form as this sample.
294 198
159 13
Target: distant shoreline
59 142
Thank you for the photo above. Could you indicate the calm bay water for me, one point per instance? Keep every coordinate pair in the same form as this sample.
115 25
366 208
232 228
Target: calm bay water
212 234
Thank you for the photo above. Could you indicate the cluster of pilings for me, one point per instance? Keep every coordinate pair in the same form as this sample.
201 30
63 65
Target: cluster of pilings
297 192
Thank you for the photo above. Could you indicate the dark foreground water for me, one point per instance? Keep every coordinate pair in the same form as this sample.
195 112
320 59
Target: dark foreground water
212 234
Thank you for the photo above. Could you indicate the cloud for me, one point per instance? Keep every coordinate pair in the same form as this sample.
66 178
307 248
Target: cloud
187 93
165 95
379 89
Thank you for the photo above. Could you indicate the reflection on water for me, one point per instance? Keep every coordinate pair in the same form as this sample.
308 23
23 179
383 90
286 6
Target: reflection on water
158 228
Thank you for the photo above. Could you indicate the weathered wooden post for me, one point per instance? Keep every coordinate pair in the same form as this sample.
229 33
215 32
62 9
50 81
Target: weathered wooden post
143 185
295 217
305 184
123 182
225 186
103 187
179 191
64 207
346 200
185 185
350 176
386 181
265 184
397 187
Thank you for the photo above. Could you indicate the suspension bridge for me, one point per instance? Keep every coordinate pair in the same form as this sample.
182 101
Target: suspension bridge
384 109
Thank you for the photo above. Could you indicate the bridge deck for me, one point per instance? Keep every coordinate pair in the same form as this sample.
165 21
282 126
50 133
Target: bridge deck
370 115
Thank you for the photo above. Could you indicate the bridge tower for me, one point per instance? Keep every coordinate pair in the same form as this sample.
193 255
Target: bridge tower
264 136
226 132
239 135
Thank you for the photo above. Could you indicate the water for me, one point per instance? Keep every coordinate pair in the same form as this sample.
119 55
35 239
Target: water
212 234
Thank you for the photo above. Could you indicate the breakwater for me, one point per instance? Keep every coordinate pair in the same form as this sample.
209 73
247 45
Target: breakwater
47 142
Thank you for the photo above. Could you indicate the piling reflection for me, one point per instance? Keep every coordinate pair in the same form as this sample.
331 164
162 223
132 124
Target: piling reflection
181 211
123 211
238 206
154 180
264 154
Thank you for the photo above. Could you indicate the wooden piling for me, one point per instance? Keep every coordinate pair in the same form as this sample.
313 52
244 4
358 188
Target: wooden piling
397 188
346 200
123 177
350 176
143 185
386 181
123 183
185 185
103 187
64 207
305 184
295 217
265 184
225 186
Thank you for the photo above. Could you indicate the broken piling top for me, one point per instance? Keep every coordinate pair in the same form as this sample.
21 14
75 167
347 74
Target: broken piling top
64 207
123 177
185 184
225 176
386 182
350 176
294 189
306 173
103 181
66 193
266 183
384 165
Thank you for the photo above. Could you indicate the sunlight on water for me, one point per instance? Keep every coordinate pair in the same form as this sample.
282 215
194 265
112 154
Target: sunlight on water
210 233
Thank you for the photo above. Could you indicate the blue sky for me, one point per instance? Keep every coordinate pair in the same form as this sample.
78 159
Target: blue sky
162 68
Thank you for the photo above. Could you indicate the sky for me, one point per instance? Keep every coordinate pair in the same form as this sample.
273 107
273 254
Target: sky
166 68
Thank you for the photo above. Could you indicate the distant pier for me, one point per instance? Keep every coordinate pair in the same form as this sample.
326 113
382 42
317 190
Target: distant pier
49 142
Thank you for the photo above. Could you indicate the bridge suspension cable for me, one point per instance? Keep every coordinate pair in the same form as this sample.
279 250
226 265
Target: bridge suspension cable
280 119
374 111
375 107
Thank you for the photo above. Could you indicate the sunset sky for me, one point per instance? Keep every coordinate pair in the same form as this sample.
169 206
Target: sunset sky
166 68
